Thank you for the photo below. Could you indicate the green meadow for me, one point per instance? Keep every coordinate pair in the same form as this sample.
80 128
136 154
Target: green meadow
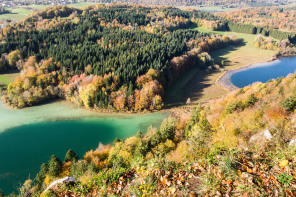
6 79
21 11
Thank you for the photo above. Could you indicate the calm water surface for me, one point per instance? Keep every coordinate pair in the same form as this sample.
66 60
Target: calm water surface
35 135
263 72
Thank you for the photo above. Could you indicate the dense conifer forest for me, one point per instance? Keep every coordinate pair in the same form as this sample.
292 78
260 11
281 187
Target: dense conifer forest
111 56
103 57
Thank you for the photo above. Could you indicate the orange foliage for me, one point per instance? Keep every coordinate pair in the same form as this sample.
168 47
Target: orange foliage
276 112
66 169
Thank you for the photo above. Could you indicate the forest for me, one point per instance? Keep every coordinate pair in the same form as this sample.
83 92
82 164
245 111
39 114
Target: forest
281 18
119 59
114 57
226 3
226 25
273 17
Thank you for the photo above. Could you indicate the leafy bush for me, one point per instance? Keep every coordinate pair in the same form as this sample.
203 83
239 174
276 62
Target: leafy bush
284 179
234 106
290 103
251 100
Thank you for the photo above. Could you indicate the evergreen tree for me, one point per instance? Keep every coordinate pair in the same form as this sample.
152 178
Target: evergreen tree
96 100
41 84
155 140
90 102
55 166
41 175
130 89
141 149
70 156
78 168
1 193
167 128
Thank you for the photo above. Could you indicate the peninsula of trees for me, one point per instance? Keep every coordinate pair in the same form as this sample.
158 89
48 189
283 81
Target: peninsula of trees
107 57
114 56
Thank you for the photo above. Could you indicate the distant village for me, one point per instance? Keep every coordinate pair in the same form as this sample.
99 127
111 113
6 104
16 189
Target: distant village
16 3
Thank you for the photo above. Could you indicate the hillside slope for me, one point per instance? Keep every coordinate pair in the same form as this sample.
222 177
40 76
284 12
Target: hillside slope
240 145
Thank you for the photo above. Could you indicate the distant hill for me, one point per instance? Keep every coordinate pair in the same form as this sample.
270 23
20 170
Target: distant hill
227 3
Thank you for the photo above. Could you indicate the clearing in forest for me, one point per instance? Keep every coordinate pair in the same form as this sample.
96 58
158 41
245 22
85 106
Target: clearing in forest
200 85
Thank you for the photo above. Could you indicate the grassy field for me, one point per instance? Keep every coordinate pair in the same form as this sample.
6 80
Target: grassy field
201 85
20 12
76 5
7 78
16 14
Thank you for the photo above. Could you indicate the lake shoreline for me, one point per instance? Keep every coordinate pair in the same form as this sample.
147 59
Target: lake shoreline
57 111
224 80
96 110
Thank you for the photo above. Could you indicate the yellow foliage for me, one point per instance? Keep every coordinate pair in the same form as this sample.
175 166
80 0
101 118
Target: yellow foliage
47 179
130 144
85 92
180 153
167 146
126 156
149 156
85 178
284 163
13 57
66 169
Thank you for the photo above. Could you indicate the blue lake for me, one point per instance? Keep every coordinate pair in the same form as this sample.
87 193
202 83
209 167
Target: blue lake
262 72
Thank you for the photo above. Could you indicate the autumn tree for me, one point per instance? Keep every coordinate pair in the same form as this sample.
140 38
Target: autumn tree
13 57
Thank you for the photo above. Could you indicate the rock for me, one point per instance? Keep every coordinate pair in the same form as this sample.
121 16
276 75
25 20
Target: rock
188 102
293 141
267 135
59 182
260 137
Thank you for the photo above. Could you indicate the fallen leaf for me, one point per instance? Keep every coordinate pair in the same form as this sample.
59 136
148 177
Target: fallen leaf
245 195
288 192
284 163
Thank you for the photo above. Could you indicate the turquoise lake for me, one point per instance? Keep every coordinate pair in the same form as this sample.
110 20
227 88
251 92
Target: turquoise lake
262 72
28 137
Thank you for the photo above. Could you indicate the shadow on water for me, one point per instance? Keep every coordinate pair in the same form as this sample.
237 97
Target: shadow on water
194 81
